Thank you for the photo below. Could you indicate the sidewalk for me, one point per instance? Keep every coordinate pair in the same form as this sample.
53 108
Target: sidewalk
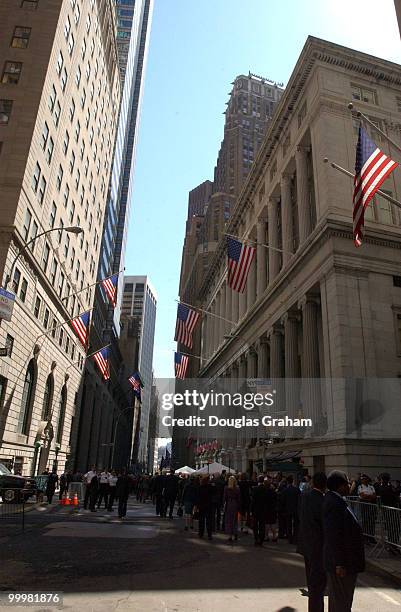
389 567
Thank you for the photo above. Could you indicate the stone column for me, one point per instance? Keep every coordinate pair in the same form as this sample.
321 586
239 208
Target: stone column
251 284
234 305
274 255
303 203
286 217
263 348
242 369
215 325
252 371
276 366
261 257
220 305
242 304
229 314
290 322
310 360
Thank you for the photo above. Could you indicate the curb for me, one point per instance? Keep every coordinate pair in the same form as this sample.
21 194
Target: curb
375 566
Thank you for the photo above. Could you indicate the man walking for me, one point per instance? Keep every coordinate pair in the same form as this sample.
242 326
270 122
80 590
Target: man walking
259 511
310 540
343 549
122 490
103 489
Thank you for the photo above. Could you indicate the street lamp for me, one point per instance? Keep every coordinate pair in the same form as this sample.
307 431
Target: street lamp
73 229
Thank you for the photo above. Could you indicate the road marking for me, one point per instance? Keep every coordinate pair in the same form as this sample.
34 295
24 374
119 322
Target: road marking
384 596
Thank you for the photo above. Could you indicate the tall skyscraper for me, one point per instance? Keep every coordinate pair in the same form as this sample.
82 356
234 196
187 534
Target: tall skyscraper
59 104
133 22
138 311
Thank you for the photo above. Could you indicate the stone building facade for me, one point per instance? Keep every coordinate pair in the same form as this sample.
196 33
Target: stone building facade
316 308
59 101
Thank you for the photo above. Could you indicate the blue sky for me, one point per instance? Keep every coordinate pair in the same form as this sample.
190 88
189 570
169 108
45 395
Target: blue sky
197 47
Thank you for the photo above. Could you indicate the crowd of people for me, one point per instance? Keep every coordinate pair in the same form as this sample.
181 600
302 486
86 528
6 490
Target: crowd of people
312 514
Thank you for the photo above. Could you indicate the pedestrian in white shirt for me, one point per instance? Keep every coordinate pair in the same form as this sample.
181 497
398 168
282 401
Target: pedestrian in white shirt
87 481
112 489
103 489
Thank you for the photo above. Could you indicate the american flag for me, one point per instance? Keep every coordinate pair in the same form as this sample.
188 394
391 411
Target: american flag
110 286
81 327
181 364
240 257
372 167
186 321
135 381
102 361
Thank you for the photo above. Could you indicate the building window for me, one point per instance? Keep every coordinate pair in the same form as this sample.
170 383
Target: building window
27 224
66 245
45 135
78 76
53 272
46 318
36 177
3 387
16 280
72 109
20 39
60 232
5 111
59 178
53 215
9 345
71 43
11 73
77 130
49 150
72 162
45 256
33 235
52 98
363 94
27 399
30 5
57 113
36 309
63 79
23 290
61 337
60 62
66 195
42 189
66 142
61 284
72 213
48 398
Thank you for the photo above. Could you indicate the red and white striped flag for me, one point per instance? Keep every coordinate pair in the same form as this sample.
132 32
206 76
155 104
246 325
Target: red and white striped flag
372 167
240 257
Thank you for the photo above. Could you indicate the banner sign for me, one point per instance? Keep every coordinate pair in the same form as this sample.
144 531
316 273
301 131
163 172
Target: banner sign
7 300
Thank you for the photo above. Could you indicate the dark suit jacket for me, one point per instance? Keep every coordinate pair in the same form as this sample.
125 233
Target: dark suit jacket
310 534
343 539
259 501
289 499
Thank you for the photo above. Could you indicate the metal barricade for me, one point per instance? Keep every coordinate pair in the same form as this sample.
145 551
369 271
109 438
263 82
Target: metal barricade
381 525
12 511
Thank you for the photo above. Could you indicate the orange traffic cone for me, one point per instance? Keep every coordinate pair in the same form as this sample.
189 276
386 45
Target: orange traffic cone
61 501
75 500
67 501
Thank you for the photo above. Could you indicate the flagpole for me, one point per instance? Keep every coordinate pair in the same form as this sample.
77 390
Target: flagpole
61 324
206 312
372 125
267 246
67 297
347 173
194 356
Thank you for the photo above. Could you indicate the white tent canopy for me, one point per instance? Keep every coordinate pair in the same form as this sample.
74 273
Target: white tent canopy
214 468
185 470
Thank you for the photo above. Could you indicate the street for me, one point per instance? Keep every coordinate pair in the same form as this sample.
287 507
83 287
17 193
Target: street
148 563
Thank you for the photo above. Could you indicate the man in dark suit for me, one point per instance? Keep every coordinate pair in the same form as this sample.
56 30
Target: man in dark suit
343 549
310 540
289 499
259 499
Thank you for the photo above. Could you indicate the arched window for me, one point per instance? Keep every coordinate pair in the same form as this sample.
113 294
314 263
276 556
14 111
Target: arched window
28 392
61 416
48 398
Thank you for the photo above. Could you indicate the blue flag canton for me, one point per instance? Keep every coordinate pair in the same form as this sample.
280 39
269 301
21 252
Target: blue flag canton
178 358
182 312
234 248
85 318
364 150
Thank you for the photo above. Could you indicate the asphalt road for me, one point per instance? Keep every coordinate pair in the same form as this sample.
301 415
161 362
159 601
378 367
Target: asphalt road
147 564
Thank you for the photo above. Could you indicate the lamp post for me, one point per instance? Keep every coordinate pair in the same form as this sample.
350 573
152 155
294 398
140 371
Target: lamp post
73 229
